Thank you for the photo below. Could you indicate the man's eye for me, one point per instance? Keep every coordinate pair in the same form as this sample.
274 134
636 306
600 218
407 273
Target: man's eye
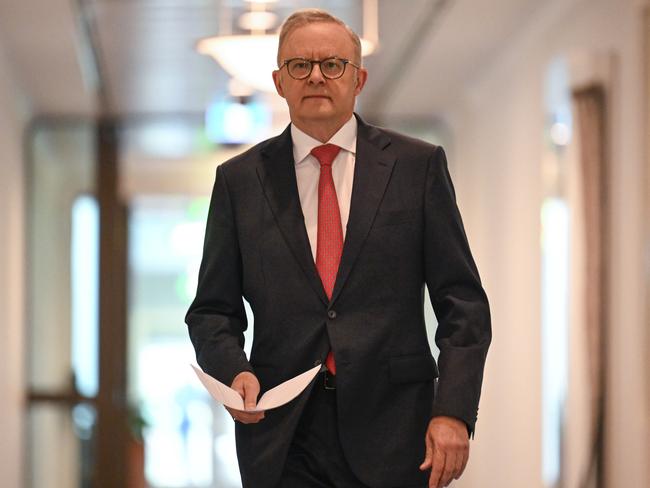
331 64
300 65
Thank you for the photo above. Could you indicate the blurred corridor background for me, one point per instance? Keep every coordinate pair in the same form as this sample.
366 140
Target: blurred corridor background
112 124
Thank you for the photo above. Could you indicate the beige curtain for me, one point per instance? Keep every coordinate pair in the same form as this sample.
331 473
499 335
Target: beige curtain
590 112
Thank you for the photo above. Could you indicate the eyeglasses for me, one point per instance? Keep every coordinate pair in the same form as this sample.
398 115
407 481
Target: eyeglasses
331 68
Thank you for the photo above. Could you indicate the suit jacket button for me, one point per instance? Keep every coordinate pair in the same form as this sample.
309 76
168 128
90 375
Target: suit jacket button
331 314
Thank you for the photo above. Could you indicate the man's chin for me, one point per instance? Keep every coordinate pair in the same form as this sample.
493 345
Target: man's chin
318 113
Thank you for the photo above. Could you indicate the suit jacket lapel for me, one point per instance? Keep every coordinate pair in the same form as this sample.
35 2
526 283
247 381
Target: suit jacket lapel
277 175
372 170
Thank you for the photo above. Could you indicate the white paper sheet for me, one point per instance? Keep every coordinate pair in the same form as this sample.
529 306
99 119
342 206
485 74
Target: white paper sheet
275 397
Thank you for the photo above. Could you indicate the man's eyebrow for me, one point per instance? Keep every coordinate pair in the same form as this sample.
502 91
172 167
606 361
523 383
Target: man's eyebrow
327 56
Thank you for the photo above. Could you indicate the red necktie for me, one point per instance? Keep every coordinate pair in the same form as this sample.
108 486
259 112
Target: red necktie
330 233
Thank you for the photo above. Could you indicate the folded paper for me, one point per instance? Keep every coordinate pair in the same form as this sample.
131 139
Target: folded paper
275 397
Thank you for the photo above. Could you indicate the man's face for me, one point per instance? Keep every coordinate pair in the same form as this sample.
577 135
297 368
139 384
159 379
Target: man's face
318 99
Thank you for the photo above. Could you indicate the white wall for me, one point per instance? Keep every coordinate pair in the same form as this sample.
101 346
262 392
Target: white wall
498 150
12 119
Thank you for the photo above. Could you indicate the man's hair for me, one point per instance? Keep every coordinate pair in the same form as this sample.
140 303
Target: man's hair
303 17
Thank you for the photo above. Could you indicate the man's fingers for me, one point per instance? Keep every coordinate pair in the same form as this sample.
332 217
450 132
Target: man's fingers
238 386
248 387
449 470
437 468
249 417
448 438
245 417
426 464
462 462
251 390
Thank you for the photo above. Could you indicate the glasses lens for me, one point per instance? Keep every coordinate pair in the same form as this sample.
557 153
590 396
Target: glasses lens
299 68
332 68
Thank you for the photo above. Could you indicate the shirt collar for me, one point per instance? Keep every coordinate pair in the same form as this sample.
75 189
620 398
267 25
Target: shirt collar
345 138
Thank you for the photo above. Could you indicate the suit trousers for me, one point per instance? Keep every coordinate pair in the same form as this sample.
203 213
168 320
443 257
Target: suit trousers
315 458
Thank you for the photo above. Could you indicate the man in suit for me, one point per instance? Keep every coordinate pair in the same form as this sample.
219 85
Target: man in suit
330 231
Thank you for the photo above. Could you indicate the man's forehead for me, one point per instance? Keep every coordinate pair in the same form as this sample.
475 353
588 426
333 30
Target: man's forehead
318 40
319 52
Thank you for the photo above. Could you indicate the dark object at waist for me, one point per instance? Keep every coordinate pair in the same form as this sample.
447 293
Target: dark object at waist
328 380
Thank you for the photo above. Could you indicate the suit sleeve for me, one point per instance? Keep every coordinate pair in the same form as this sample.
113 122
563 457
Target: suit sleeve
216 318
459 301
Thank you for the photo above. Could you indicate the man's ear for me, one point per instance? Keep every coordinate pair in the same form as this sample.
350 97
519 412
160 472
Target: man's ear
277 81
360 81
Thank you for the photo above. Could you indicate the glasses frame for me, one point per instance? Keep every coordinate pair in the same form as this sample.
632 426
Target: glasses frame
313 62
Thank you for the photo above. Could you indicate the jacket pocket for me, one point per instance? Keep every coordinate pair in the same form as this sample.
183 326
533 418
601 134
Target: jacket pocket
412 368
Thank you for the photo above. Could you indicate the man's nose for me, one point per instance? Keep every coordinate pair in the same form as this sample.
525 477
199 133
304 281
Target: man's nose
316 75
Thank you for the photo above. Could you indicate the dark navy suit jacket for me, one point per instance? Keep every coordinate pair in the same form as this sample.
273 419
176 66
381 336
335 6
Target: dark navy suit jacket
404 231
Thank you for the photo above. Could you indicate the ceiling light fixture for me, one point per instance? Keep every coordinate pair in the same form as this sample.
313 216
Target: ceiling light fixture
250 58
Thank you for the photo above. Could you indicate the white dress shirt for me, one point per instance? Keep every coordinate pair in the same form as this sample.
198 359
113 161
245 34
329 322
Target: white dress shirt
308 173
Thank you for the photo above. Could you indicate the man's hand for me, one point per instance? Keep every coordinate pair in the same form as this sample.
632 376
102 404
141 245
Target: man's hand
447 450
246 384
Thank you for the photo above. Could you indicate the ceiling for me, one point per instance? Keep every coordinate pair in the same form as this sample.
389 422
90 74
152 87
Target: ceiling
137 57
